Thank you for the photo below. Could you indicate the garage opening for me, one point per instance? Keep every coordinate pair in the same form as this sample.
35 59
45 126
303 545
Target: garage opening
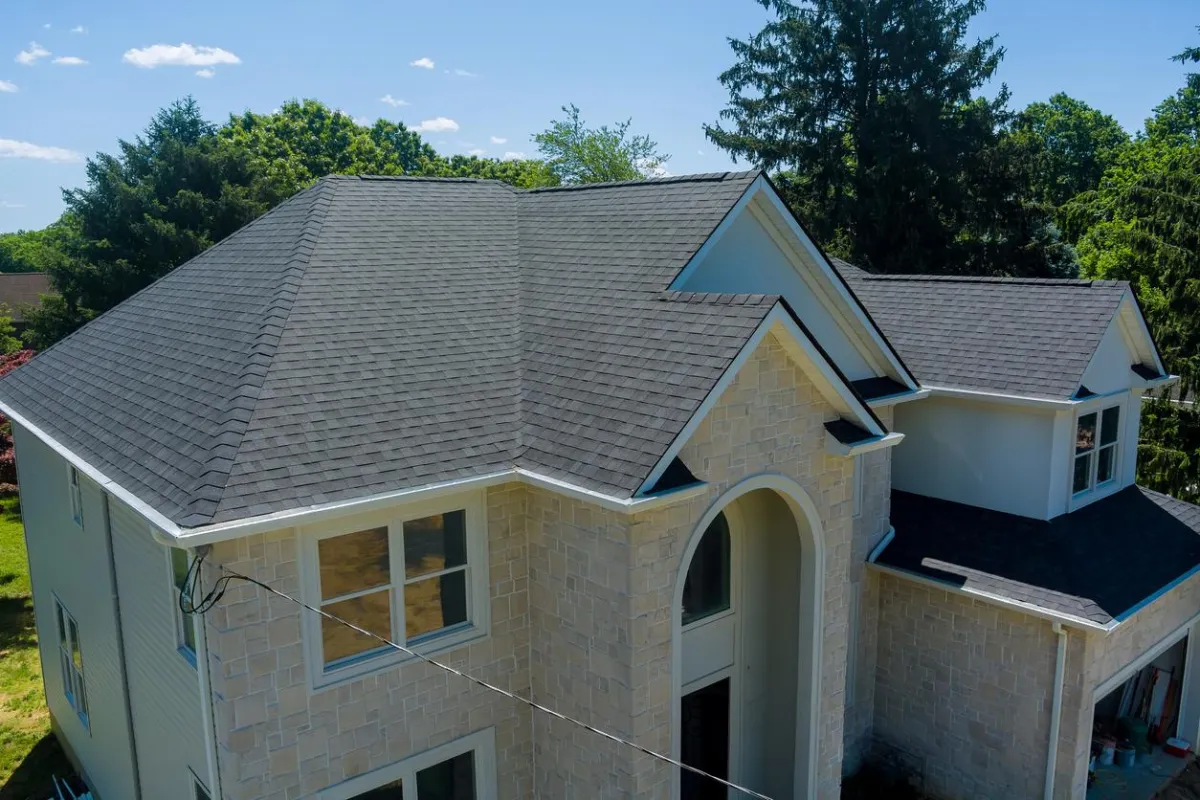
1133 728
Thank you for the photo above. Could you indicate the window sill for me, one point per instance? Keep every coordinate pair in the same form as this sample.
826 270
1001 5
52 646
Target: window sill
372 663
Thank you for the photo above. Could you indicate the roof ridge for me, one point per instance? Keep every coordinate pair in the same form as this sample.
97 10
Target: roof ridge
698 177
235 418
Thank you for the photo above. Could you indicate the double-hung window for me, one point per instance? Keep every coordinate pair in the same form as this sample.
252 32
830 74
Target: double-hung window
185 624
464 769
70 656
1097 439
416 580
76 495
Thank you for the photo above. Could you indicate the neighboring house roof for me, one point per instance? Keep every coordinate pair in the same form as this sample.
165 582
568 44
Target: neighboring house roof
372 334
1099 563
1013 336
22 288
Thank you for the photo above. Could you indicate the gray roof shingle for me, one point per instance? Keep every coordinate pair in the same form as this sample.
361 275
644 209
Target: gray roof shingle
1011 335
372 334
1098 563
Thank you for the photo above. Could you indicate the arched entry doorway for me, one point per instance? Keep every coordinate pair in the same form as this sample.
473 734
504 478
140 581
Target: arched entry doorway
747 644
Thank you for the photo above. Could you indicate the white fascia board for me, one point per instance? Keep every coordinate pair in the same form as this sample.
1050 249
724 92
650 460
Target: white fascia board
1000 397
832 387
898 398
994 599
835 447
169 533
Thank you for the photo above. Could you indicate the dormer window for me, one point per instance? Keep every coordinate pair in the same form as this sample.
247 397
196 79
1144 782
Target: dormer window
1097 434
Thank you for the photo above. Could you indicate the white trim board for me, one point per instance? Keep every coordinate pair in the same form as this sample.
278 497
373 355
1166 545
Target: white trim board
801 349
167 532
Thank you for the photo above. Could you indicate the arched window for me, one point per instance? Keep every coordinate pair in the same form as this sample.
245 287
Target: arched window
706 588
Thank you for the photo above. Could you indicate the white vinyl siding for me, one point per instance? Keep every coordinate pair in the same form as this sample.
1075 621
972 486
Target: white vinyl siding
164 686
70 563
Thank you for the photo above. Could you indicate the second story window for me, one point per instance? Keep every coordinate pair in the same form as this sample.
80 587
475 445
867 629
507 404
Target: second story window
1097 435
76 496
417 580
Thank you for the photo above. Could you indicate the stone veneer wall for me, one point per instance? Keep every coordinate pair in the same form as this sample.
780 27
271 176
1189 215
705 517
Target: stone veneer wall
770 419
277 740
963 691
869 529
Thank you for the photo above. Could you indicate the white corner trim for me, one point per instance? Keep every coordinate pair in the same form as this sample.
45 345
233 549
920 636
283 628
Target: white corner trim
995 599
1000 397
779 322
837 448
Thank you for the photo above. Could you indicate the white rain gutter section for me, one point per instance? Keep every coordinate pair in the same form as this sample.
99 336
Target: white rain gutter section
1055 710
166 532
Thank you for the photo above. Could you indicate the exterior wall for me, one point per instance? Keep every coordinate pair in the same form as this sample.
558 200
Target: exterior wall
983 454
869 529
73 565
164 687
963 692
279 739
582 645
746 259
768 420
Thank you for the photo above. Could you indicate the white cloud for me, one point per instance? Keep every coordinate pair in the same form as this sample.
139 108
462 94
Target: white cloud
207 72
436 125
181 55
7 86
478 151
79 29
498 140
8 204
513 155
29 57
423 63
11 148
394 102
462 73
70 61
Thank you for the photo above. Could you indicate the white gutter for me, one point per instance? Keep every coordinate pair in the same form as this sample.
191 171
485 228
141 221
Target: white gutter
1016 605
1055 710
172 535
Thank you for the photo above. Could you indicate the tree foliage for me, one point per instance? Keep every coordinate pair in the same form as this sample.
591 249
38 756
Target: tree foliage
871 113
1073 146
576 153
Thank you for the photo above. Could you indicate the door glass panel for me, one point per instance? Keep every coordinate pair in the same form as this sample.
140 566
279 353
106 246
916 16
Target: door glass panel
453 779
706 588
704 742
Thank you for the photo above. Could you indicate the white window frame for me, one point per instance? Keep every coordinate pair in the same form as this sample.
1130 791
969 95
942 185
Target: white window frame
187 652
1119 480
857 486
76 493
74 682
198 790
478 627
481 743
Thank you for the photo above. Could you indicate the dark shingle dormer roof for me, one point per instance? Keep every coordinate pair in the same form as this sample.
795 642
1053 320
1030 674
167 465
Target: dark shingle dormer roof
372 334
1100 563
1007 335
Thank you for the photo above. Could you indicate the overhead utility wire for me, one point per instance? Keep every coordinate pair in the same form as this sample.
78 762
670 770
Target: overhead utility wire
192 583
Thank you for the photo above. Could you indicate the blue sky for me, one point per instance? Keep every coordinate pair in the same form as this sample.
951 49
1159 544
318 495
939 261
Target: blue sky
499 71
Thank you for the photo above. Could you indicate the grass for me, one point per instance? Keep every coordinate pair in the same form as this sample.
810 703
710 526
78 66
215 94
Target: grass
29 753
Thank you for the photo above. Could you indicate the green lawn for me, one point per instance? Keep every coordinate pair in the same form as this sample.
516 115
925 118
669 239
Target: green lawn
29 754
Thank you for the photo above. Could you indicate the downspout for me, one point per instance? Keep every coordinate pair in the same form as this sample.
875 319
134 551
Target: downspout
208 718
116 601
1055 710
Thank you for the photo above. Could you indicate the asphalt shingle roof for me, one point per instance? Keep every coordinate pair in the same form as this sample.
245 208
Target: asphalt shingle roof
372 334
1010 335
1097 563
